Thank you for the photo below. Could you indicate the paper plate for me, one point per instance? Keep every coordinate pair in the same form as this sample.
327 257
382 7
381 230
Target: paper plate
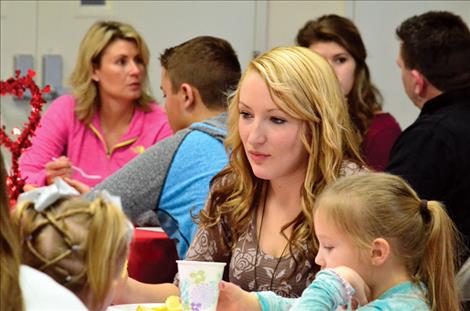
155 229
133 307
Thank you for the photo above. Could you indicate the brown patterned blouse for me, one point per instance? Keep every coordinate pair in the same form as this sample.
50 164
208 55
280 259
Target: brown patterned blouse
211 245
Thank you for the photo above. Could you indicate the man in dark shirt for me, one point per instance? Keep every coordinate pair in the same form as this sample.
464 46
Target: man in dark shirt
433 154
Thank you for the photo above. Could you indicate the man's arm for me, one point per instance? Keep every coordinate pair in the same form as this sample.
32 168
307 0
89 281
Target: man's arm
139 183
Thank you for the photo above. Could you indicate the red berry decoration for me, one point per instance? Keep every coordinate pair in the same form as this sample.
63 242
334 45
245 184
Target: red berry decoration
17 86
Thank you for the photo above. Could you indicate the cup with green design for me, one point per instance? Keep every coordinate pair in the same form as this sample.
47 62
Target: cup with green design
199 284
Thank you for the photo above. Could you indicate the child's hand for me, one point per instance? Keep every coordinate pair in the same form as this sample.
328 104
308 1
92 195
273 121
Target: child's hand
233 298
362 291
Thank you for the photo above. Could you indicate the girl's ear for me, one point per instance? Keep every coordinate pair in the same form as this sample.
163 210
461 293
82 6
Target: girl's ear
380 251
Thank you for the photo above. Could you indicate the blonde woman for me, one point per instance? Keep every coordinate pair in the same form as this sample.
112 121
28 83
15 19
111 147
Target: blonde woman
109 119
290 136
82 245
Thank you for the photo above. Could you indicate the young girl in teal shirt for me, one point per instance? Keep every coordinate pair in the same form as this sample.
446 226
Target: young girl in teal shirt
380 248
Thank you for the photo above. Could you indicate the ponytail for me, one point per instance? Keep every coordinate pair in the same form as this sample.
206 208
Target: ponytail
107 248
437 268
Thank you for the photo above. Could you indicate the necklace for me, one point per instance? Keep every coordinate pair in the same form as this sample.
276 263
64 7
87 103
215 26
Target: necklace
257 250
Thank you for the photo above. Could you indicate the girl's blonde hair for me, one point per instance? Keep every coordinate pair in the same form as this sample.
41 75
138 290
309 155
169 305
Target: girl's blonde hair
96 40
304 86
82 245
421 234
10 291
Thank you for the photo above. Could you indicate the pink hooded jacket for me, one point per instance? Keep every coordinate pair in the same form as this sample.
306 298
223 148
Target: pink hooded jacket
61 133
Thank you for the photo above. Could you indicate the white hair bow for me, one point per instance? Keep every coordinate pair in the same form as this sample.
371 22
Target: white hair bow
110 198
45 196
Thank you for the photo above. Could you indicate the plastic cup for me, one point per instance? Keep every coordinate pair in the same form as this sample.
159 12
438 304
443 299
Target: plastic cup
199 284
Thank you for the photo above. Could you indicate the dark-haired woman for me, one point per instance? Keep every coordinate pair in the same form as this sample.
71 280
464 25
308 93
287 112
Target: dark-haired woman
338 40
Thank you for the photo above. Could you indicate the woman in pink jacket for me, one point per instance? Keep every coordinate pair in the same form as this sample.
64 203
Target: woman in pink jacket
109 119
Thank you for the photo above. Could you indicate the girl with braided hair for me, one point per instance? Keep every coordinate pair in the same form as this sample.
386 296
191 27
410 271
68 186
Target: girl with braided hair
82 245
22 287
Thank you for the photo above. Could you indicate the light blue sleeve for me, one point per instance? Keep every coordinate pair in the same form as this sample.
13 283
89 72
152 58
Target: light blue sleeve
326 294
269 301
323 294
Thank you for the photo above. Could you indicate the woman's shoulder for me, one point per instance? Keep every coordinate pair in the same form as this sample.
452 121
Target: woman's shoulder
61 110
350 168
66 100
382 118
41 292
63 103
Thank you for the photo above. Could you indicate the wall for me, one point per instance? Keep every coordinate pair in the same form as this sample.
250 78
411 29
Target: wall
285 18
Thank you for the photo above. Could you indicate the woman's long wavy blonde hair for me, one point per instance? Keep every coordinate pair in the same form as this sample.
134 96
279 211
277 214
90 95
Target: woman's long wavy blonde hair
421 234
82 245
303 85
96 40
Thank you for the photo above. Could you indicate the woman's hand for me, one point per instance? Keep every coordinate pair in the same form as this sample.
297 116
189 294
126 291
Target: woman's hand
60 167
362 291
233 298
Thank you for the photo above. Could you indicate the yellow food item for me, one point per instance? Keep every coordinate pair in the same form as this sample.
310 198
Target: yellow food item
172 303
